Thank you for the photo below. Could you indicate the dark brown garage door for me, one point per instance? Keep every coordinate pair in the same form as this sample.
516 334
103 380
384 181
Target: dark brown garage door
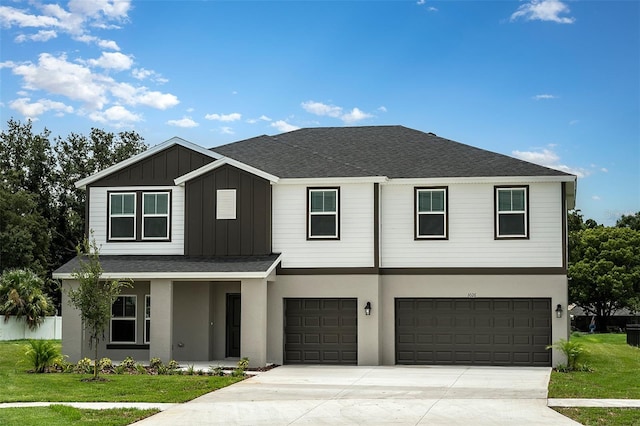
473 331
320 331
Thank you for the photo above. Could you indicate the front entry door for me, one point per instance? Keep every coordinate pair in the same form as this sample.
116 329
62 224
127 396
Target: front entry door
233 325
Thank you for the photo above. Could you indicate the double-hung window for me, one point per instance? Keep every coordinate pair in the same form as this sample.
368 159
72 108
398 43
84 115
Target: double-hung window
323 218
122 216
155 215
123 319
431 213
512 218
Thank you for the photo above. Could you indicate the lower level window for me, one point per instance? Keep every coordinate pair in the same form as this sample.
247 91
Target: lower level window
123 320
147 318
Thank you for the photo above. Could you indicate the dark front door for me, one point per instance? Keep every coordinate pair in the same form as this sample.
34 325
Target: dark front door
233 325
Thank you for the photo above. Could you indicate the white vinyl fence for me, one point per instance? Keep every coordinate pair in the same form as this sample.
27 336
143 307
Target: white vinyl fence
14 329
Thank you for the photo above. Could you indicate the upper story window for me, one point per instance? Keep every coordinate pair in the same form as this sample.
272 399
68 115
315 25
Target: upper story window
139 216
155 215
431 213
122 216
323 217
512 212
123 319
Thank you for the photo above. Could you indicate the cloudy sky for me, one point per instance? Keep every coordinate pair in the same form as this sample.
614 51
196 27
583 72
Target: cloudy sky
549 81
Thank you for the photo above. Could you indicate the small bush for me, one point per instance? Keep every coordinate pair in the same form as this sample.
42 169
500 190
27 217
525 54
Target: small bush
573 351
105 365
155 363
241 366
83 366
128 363
42 354
216 371
173 365
191 370
140 369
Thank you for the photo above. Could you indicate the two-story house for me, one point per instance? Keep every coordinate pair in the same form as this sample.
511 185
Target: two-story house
373 245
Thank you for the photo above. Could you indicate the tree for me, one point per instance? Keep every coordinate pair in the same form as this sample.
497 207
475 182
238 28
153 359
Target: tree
94 296
629 221
21 296
605 272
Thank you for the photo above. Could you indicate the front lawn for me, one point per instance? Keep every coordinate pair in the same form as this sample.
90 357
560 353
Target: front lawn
615 370
20 386
61 415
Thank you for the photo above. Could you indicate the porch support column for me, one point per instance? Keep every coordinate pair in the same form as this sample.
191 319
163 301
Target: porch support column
253 321
72 332
161 334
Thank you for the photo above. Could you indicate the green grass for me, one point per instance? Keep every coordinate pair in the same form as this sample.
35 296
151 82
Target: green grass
19 386
603 416
60 415
615 370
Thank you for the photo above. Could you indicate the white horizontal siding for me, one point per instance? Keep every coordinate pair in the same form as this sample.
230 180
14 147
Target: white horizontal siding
355 246
98 224
471 240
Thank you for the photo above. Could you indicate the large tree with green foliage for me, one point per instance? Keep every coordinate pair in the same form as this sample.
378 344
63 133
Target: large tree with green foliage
94 295
629 221
604 271
21 296
42 213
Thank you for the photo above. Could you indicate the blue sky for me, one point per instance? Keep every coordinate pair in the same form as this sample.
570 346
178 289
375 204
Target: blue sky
549 81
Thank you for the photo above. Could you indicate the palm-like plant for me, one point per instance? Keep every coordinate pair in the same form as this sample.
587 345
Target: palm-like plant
21 296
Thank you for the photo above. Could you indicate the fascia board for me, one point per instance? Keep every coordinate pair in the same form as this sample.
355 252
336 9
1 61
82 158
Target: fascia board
333 180
180 180
483 179
82 183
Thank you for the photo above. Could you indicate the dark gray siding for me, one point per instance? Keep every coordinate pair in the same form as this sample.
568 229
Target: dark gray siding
247 235
159 169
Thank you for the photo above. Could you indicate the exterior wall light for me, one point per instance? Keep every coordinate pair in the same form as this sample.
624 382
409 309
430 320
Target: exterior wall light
367 308
559 311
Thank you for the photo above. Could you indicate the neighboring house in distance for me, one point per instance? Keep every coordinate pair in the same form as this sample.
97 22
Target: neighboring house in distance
272 248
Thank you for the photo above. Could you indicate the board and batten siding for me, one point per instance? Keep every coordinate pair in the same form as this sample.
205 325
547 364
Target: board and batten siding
98 217
355 248
471 240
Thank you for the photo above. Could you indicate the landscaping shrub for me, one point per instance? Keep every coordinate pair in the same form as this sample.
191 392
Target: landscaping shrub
572 350
83 366
41 355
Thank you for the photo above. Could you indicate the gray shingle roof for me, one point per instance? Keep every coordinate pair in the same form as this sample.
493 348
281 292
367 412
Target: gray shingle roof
178 264
392 151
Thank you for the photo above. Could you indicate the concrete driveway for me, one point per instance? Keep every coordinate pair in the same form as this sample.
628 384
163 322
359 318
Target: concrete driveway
316 395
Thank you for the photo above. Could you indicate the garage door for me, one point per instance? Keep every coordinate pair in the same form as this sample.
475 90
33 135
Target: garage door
473 331
320 331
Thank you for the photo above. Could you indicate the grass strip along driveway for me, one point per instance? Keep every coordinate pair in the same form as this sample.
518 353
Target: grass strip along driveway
615 375
19 386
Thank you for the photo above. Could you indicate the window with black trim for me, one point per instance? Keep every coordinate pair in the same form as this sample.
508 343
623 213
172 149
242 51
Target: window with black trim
512 217
323 218
122 216
123 319
139 216
147 318
431 213
155 215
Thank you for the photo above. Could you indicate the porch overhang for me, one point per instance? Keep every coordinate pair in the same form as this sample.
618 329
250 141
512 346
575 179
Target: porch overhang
178 267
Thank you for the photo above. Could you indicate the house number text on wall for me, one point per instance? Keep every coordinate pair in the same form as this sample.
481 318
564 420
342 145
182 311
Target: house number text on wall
471 295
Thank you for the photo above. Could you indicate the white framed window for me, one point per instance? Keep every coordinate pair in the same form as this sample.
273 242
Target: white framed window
122 216
155 215
226 204
512 217
323 217
431 213
123 319
147 318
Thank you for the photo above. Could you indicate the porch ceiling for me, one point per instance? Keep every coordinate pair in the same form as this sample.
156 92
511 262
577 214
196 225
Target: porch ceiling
178 267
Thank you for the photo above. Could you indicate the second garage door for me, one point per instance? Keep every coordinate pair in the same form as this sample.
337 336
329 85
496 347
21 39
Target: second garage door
320 331
479 331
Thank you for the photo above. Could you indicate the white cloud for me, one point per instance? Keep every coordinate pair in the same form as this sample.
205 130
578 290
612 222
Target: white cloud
144 74
227 130
33 110
543 10
354 116
544 96
548 158
595 198
115 9
432 9
117 115
112 60
382 109
184 122
283 126
261 118
224 117
318 108
604 170
42 35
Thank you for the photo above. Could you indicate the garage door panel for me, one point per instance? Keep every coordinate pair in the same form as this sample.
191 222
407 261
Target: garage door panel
319 330
473 331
